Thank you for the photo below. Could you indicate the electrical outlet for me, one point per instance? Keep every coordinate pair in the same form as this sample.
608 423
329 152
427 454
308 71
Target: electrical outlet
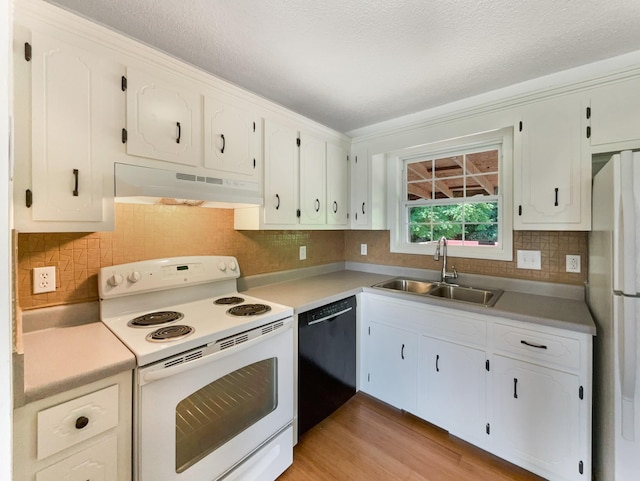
529 260
303 252
573 264
44 279
363 249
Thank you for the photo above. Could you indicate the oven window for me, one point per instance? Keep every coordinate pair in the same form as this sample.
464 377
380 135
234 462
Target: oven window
213 415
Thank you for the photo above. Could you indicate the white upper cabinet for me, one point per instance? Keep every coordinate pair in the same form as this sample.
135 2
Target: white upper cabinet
164 119
360 187
552 171
337 185
232 139
313 180
281 174
614 116
63 179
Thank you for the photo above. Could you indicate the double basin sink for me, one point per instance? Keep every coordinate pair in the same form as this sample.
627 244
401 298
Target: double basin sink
442 290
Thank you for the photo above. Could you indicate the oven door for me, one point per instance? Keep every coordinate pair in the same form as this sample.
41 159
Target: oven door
197 420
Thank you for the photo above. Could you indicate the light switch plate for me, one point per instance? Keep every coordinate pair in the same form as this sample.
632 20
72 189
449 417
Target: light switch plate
44 279
529 260
363 249
303 252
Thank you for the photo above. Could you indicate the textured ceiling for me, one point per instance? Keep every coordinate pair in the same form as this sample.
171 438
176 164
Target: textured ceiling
352 63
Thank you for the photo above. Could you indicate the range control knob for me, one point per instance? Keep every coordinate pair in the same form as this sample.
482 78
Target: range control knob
222 266
115 280
232 265
134 277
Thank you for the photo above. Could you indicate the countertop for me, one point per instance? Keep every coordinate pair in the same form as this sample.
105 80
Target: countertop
61 358
310 292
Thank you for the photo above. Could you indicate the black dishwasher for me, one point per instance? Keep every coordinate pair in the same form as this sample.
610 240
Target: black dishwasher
326 360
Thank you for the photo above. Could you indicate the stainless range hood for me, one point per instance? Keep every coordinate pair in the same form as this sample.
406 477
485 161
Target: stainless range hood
148 185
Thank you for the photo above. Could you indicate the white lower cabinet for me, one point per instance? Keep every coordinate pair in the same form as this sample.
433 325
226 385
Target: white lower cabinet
80 435
536 415
392 370
519 390
97 463
452 388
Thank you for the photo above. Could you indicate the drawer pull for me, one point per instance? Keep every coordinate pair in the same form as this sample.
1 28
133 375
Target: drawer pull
515 387
437 361
537 346
82 422
402 352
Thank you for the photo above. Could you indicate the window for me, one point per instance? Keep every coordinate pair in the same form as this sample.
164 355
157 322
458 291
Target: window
456 189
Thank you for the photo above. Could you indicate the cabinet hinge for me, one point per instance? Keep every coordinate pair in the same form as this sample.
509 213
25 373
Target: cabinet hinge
588 112
520 126
486 365
123 83
124 136
298 142
28 198
588 132
581 467
298 213
27 51
519 210
488 428
581 392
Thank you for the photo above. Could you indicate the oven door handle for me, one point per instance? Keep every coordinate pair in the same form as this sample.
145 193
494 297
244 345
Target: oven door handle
162 373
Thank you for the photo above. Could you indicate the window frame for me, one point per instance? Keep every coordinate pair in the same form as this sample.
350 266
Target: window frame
398 205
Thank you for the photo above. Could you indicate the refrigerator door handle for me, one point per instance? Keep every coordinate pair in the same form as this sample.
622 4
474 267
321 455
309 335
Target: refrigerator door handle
627 350
627 242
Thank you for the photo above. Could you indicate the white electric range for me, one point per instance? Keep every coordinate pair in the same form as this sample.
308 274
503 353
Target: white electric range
213 397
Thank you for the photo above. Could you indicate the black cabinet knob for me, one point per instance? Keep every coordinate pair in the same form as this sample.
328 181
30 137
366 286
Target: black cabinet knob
82 422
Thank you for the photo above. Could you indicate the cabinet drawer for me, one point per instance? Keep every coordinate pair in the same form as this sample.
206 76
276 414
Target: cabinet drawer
538 347
97 463
77 420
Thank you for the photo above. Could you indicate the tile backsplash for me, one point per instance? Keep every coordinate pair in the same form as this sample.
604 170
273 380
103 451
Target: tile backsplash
154 231
553 247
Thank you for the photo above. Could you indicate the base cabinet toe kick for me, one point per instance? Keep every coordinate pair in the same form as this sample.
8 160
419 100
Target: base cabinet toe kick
521 391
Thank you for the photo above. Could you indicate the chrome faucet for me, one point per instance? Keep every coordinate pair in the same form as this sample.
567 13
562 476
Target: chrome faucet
445 275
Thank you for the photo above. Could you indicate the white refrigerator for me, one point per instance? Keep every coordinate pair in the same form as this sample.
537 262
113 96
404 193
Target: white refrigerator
614 300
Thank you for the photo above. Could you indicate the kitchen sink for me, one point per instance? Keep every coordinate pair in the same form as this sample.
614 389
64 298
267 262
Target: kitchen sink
466 294
407 285
483 297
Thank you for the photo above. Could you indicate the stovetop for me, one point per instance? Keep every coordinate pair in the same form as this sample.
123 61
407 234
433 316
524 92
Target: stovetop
187 291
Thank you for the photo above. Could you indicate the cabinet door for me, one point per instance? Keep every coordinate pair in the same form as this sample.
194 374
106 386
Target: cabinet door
97 463
337 184
392 365
452 388
281 174
232 138
552 171
164 120
360 189
71 107
313 178
615 113
536 417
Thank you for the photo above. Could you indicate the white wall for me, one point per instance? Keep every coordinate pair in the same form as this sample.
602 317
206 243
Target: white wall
5 265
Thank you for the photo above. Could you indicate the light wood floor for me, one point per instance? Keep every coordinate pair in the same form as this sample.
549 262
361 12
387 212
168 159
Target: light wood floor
367 440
